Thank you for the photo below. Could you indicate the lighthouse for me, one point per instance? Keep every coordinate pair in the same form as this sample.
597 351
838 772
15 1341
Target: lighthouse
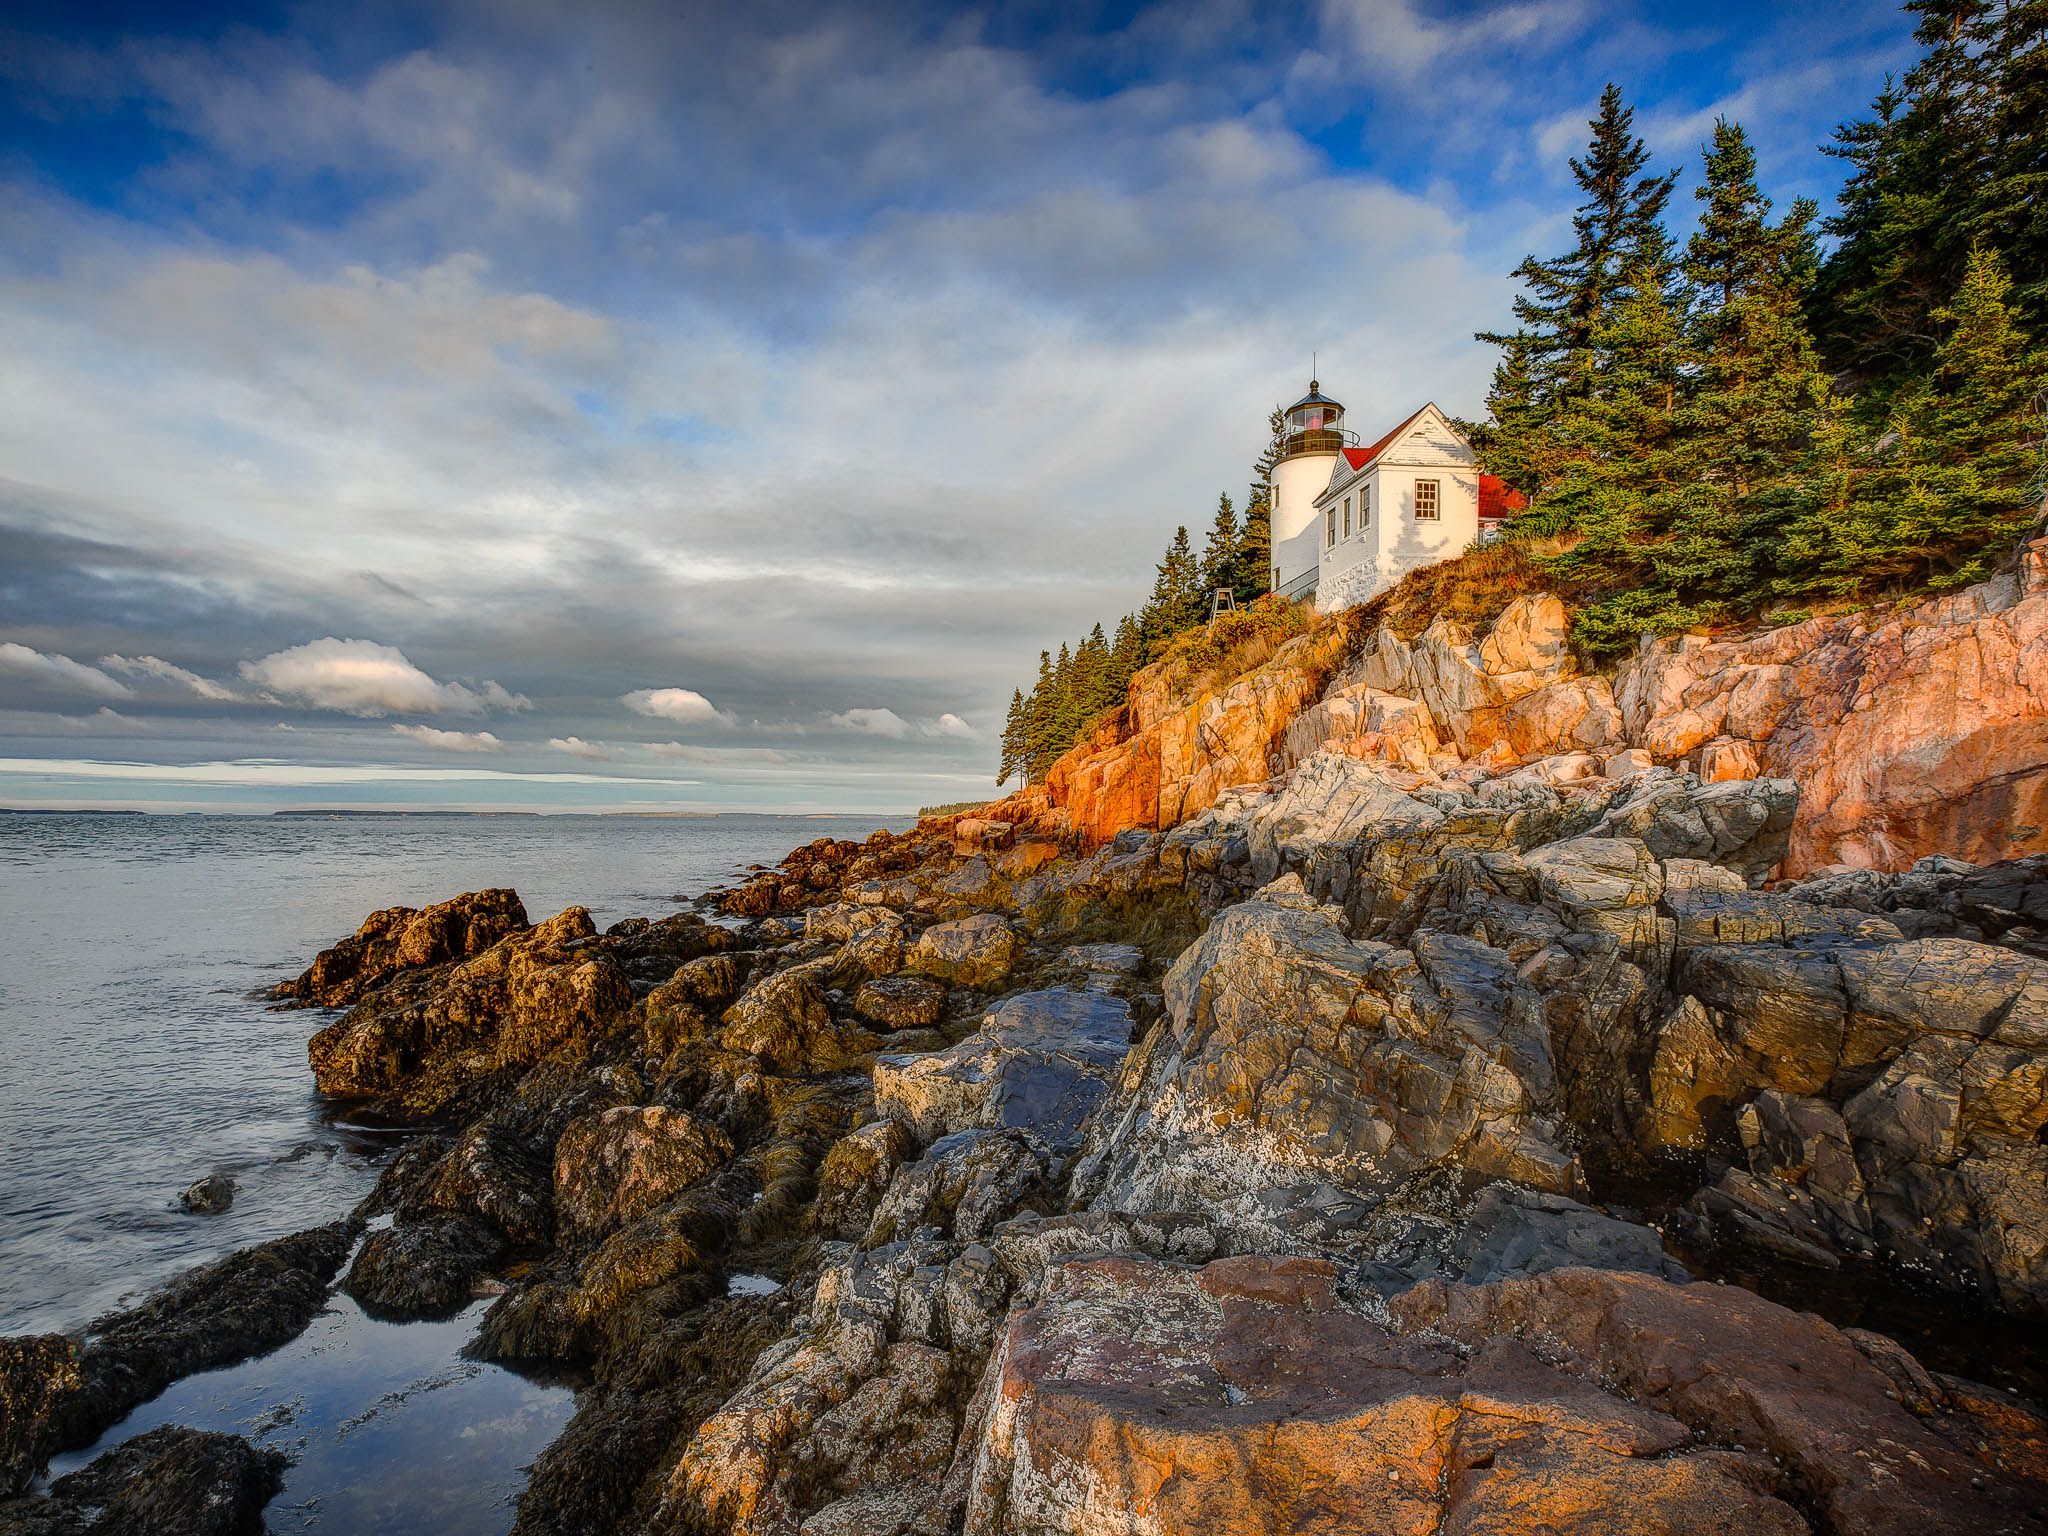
1312 435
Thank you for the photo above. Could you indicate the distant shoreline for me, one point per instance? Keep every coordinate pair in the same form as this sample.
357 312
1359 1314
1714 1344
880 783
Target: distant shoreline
381 813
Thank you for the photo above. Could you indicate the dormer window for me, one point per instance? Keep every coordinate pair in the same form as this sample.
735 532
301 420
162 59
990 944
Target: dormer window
1426 501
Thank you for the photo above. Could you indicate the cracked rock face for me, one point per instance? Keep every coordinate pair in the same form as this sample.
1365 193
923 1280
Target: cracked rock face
1295 1060
1248 1395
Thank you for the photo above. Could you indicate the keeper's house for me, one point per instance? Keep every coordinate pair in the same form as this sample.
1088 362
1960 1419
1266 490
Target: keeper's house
1350 521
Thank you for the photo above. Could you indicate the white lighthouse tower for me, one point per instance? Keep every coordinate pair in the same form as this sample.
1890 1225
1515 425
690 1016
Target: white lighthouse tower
1312 436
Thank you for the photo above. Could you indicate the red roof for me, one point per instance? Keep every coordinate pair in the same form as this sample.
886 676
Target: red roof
1358 458
1496 501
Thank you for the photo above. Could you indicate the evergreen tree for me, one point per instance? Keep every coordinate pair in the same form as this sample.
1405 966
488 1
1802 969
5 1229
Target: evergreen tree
1552 359
1973 435
1041 732
1755 392
1251 573
1175 603
1953 157
1014 753
1276 440
1219 554
1615 477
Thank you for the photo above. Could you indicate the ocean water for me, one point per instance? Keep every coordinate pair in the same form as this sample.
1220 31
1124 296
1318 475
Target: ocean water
136 1056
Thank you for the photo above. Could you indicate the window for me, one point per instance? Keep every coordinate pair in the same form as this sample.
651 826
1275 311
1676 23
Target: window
1330 525
1347 517
1425 500
1364 508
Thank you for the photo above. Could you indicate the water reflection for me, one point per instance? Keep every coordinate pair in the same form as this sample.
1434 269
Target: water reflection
389 1429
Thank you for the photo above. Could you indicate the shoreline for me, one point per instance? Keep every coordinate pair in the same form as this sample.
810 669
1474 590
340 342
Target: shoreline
927 1033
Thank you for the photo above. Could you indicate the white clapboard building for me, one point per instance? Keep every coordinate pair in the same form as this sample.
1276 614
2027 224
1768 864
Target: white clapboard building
1350 520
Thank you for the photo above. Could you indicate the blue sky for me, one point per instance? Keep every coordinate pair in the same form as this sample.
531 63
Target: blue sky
555 406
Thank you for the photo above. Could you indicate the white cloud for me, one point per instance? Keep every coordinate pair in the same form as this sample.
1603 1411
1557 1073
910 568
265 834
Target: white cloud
497 696
164 671
450 741
59 673
576 746
950 725
361 677
874 722
685 705
715 755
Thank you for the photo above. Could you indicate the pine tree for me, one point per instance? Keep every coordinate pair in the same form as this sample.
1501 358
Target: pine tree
1175 603
1276 441
1041 731
1552 359
1219 554
1953 157
1755 392
1251 573
1013 756
1973 434
1616 474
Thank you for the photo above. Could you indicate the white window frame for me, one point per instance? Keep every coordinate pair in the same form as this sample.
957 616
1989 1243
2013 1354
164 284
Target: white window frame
1330 526
1364 508
1347 517
1435 513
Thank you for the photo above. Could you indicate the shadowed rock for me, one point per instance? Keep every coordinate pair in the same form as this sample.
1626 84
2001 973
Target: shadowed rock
168 1482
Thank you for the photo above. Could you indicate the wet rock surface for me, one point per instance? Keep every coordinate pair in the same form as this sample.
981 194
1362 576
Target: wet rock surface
168 1482
1040 1061
58 1392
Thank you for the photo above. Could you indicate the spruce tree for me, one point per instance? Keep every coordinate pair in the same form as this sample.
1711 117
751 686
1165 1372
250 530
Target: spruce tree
1041 729
1953 157
1219 554
1013 753
1276 440
1552 359
1756 390
1973 434
1176 593
1251 573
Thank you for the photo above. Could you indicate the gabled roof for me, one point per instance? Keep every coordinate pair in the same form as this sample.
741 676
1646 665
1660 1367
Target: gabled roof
1358 458
1497 501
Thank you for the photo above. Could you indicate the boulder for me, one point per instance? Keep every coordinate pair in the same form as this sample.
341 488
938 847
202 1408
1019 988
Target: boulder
1245 1397
210 1196
785 1022
854 1176
424 1037
973 952
900 1002
427 1267
1736 1371
405 938
1296 1060
167 1482
616 1166
1040 1061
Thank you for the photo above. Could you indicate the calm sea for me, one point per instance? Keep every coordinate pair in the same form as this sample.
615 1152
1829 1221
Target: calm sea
136 1057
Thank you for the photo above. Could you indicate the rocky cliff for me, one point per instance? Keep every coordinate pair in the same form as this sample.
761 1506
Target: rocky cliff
1398 1089
1910 731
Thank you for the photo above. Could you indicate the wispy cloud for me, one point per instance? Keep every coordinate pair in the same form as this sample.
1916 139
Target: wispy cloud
59 674
164 671
450 741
